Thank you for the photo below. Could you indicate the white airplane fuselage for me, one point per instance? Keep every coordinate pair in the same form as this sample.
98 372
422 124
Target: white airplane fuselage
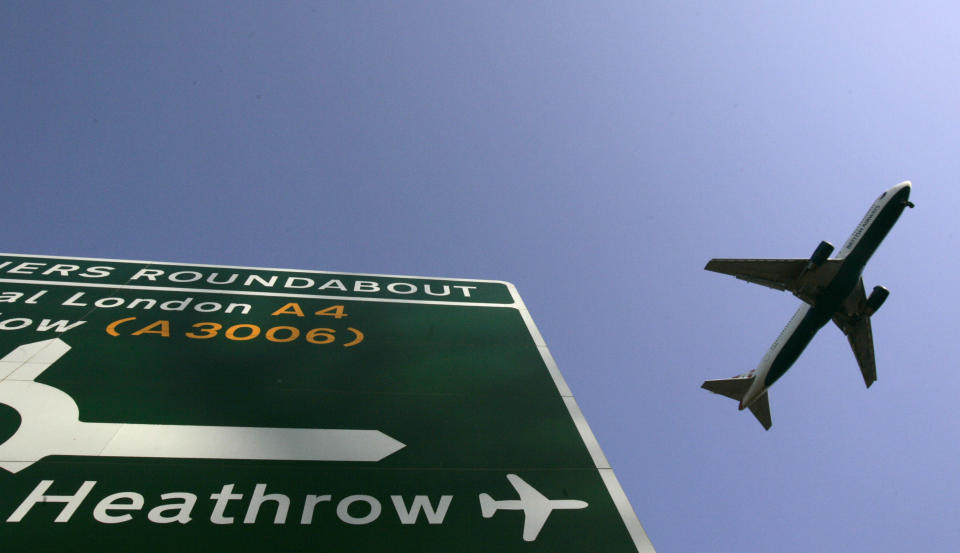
811 317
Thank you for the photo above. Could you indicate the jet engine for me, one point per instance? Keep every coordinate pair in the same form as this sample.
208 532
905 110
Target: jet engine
820 255
876 299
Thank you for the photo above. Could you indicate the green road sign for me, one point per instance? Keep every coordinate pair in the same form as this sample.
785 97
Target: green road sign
162 407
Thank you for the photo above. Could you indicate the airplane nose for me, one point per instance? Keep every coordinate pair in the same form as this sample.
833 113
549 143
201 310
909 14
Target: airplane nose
902 194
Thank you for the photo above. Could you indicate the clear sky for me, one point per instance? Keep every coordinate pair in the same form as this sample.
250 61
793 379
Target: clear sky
596 154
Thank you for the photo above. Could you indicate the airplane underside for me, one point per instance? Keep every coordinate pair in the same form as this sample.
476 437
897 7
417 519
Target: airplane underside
831 289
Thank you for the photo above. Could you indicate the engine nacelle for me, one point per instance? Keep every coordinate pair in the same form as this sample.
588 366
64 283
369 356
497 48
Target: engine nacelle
876 299
821 254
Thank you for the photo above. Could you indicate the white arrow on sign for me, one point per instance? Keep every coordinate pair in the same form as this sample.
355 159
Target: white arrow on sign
50 425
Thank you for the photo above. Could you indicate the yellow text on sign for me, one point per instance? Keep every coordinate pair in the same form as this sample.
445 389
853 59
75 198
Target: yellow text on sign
293 308
241 332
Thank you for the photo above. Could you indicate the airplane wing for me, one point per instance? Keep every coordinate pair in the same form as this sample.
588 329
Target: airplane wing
853 321
536 507
780 274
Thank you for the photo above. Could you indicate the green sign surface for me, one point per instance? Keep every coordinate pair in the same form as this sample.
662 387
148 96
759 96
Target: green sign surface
163 407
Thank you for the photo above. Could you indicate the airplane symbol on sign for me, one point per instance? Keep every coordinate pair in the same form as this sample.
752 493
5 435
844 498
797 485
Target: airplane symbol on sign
50 425
535 506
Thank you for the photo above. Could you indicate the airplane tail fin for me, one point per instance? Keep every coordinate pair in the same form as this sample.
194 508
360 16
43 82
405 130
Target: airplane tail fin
735 388
487 505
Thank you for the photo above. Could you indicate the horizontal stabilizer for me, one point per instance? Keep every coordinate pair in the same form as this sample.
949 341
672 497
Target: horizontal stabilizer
761 409
735 388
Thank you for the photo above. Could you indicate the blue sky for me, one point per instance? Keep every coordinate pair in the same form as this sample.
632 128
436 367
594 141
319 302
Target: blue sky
594 154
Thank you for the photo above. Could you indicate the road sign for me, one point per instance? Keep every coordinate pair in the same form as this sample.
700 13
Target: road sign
157 407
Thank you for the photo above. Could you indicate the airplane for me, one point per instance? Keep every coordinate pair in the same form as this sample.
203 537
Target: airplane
535 506
831 288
